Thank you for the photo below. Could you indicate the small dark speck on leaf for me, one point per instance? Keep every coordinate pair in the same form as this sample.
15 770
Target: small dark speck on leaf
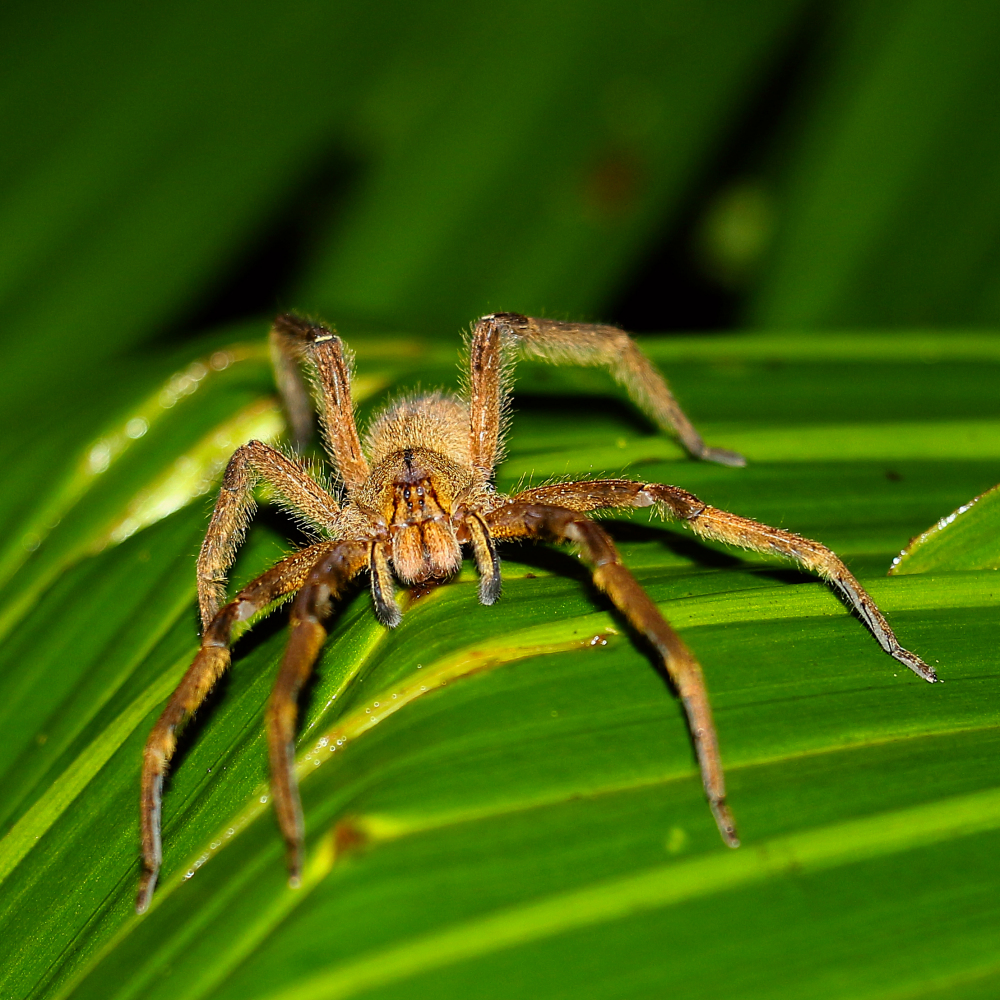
893 476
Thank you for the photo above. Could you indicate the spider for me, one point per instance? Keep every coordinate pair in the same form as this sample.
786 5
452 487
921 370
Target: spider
418 491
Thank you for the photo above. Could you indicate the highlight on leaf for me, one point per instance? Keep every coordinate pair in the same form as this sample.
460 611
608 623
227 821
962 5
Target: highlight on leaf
967 538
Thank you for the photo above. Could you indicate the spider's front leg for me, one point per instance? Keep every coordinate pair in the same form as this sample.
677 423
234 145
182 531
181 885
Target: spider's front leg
326 581
295 341
541 520
498 335
210 663
720 525
251 463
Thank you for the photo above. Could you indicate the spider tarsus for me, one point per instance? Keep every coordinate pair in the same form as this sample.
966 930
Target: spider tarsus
294 863
723 456
147 883
915 664
387 611
725 822
490 588
390 617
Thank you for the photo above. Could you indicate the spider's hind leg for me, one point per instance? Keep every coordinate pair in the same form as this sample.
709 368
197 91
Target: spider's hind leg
327 579
295 341
540 520
209 664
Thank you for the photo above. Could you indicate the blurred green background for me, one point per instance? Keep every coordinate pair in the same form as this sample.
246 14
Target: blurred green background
803 198
667 165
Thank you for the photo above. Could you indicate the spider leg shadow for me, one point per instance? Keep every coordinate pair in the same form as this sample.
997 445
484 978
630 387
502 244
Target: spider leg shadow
680 543
563 405
559 562
693 549
694 552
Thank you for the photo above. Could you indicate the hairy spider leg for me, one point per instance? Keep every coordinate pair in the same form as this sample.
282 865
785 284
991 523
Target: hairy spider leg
250 464
289 343
539 520
719 525
209 664
484 551
487 396
569 343
295 340
326 581
383 597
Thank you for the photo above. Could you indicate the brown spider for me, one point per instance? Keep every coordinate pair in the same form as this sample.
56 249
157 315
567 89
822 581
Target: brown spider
419 490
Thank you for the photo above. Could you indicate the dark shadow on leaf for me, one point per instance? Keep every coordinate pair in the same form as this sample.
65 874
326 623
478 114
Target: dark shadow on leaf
680 544
562 407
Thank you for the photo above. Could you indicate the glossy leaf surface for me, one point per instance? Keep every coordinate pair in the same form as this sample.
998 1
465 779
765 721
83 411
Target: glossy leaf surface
967 538
503 800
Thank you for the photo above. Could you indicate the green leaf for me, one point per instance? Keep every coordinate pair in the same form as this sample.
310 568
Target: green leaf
884 184
531 178
968 538
171 144
157 166
503 801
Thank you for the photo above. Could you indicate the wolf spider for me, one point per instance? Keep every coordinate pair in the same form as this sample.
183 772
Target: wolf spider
420 489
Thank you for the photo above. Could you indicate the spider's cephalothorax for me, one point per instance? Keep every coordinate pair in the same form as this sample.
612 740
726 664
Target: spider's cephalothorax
417 492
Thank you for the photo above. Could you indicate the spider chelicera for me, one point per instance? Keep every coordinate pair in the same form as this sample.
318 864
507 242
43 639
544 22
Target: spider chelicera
420 489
